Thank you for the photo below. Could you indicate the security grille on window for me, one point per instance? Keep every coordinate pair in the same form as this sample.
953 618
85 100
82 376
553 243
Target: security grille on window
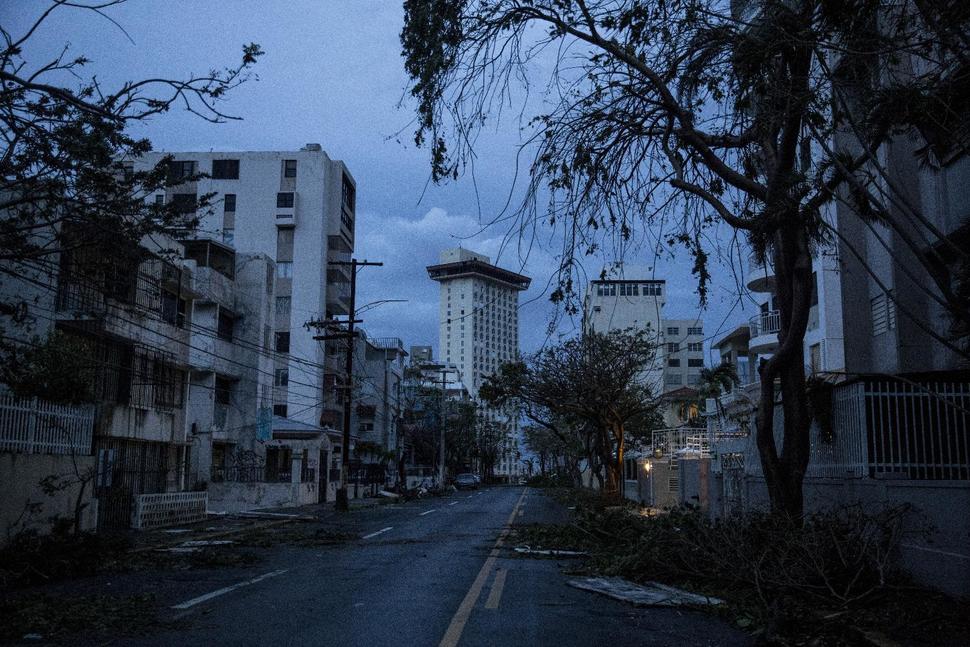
284 200
283 305
348 194
281 377
179 169
284 270
225 169
289 168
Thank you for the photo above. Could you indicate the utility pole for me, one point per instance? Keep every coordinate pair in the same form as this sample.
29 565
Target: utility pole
443 370
342 498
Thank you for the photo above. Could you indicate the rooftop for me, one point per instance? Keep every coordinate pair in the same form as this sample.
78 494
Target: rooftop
477 268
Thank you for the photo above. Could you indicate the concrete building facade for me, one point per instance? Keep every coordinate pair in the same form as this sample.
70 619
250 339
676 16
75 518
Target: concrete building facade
479 329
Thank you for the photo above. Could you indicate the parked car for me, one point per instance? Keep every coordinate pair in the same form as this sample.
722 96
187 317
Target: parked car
466 482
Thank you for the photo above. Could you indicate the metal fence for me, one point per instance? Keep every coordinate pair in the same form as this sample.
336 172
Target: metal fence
884 429
34 426
169 509
765 323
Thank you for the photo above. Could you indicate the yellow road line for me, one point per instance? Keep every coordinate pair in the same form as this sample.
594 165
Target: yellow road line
495 595
460 619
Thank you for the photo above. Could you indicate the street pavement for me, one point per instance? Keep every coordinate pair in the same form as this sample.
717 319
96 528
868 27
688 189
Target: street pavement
427 572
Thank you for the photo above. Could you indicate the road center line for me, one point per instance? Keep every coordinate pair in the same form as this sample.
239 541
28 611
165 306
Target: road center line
495 595
374 534
214 594
453 503
460 619
427 512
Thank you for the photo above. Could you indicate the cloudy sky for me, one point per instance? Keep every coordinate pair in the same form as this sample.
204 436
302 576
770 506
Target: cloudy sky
332 74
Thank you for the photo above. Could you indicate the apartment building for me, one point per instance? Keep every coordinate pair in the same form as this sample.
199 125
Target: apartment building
479 329
683 350
298 208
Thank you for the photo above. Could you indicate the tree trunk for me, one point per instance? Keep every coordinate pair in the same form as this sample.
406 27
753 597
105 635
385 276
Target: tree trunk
785 471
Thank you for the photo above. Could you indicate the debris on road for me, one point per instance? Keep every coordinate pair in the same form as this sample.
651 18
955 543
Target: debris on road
525 550
390 495
651 594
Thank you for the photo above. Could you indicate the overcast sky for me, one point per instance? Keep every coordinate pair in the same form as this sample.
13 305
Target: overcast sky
332 74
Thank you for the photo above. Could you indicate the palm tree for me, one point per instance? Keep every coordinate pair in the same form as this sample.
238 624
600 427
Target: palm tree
715 381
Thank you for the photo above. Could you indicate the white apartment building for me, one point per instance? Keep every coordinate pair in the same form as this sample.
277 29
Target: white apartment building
479 329
629 302
683 348
298 208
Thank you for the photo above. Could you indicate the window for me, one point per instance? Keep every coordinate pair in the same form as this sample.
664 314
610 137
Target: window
284 270
284 200
282 342
674 378
225 169
289 168
673 362
883 312
179 169
695 362
673 330
348 194
184 202
229 202
365 426
693 378
815 357
281 377
651 290
695 347
284 244
228 235
673 347
159 199
225 325
283 305
279 410
695 330
223 390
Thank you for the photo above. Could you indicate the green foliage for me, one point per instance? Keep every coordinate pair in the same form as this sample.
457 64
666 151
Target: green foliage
62 368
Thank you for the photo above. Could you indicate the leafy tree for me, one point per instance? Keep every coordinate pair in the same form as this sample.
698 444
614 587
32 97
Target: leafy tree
61 368
689 114
65 183
595 383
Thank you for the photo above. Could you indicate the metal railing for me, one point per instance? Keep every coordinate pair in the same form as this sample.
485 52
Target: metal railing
765 323
34 426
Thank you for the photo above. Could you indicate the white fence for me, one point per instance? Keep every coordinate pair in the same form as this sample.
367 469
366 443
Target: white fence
884 428
169 509
33 426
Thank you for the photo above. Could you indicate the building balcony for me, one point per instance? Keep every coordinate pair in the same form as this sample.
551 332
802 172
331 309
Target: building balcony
338 298
764 332
338 273
760 276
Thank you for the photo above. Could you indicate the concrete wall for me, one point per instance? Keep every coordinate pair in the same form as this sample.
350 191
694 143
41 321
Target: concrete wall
20 476
239 497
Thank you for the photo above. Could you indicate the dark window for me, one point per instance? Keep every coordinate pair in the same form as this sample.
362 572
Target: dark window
160 198
289 168
225 169
223 389
179 169
282 342
673 330
284 200
226 323
184 202
173 309
229 202
673 347
279 410
673 361
281 377
348 194
695 362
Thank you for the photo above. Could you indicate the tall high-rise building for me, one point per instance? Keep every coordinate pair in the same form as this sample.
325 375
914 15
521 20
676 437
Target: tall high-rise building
297 207
683 352
479 328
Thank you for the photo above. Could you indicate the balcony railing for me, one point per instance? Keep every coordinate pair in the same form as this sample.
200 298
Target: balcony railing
765 323
33 426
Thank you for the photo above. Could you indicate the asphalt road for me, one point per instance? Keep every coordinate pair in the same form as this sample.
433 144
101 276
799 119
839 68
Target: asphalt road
423 573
